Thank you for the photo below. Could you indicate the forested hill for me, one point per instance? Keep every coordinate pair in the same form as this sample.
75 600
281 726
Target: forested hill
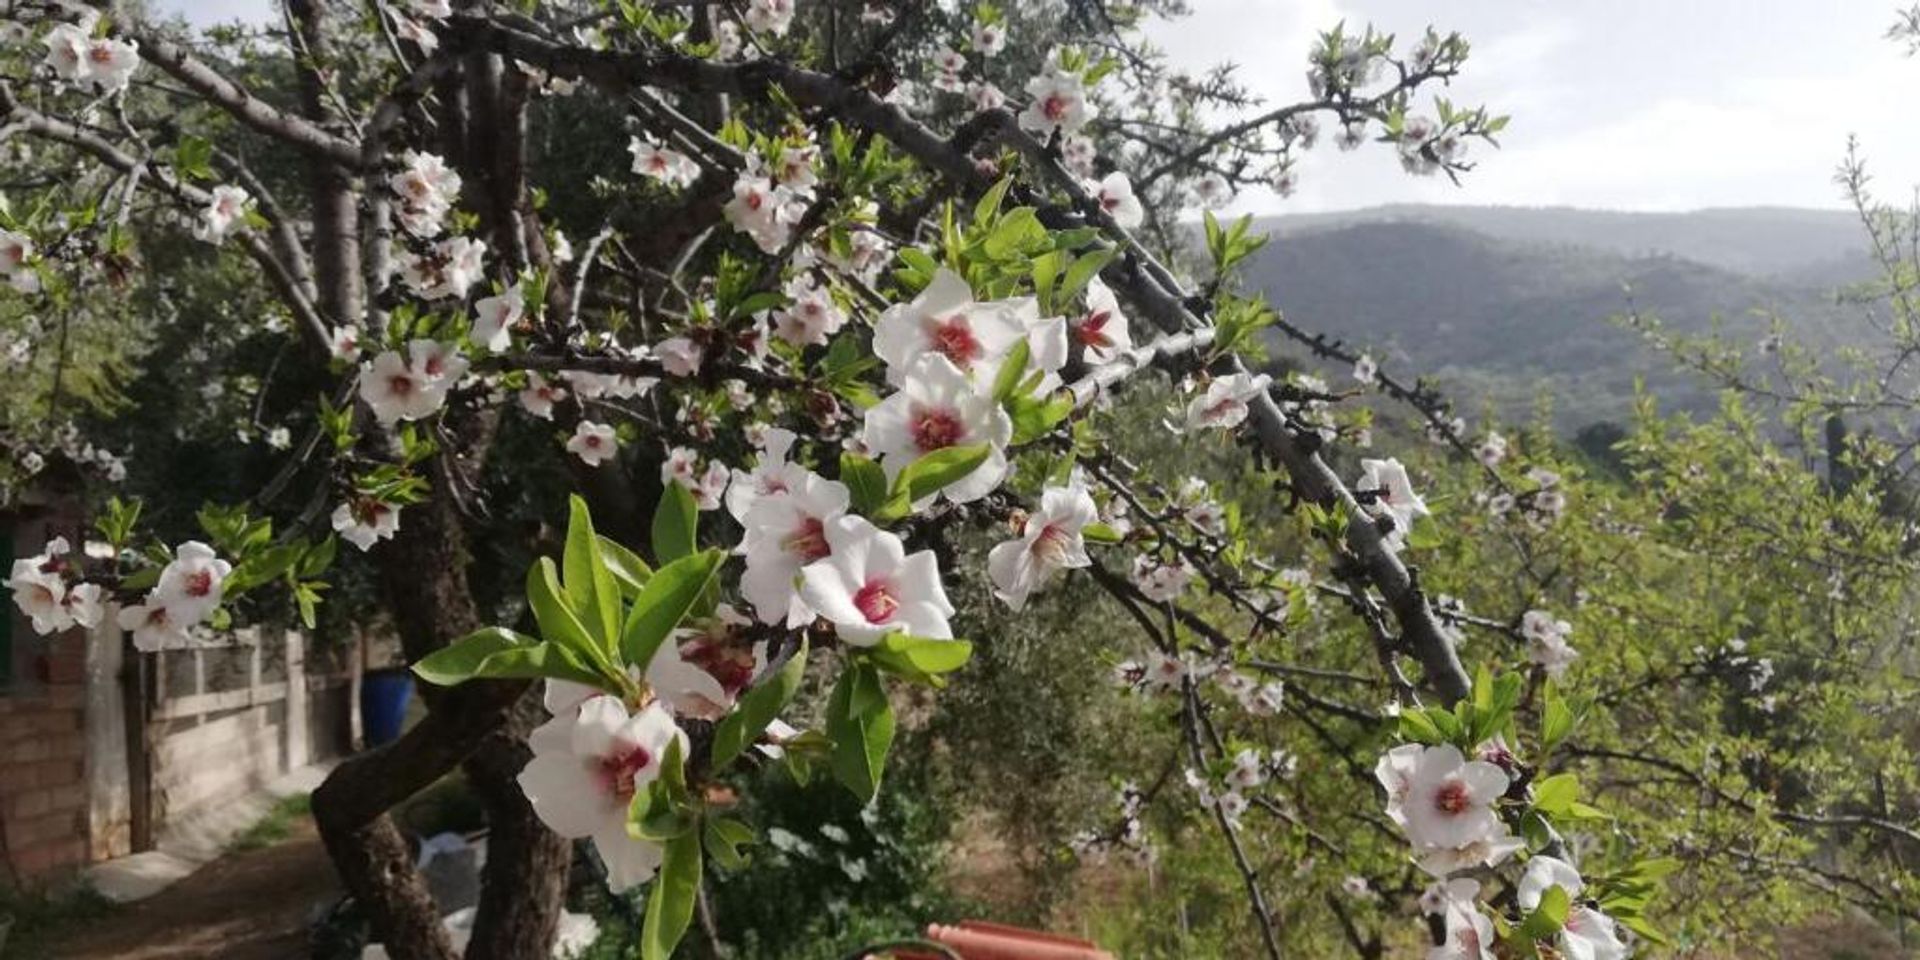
1507 304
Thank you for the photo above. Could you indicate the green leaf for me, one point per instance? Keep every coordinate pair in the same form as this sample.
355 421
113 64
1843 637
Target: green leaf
591 589
930 474
1418 726
989 204
1084 269
1099 533
1556 794
670 903
866 483
559 623
1034 416
724 839
757 708
861 725
665 600
1019 230
1007 379
1556 721
676 523
627 568
920 659
1547 918
496 652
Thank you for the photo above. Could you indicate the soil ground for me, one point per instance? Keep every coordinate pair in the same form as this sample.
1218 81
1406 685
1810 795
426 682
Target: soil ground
248 905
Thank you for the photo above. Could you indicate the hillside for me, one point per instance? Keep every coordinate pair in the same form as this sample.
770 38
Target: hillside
1777 242
1509 319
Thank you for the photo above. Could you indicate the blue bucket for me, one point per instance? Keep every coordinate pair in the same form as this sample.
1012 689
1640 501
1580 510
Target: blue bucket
383 704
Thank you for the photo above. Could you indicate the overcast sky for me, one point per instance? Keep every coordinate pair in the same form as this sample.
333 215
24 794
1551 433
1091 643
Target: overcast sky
1628 104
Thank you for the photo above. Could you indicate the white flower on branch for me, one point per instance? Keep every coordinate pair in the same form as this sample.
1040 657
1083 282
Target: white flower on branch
1587 933
773 17
417 33
1387 491
1102 330
1114 193
868 585
104 64
588 762
680 356
539 396
447 270
785 532
945 320
1050 541
365 521
985 96
772 474
1469 934
343 342
1161 581
153 626
1546 639
41 592
935 409
413 388
1491 450
1224 405
763 211
811 315
495 317
1058 104
15 250
947 67
227 210
665 164
426 188
1366 372
989 38
682 466
594 443
1078 153
191 585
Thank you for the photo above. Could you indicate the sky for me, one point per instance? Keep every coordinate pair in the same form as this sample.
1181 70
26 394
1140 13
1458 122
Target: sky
1619 104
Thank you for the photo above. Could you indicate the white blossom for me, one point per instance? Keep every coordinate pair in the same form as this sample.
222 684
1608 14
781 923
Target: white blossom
868 585
1050 541
594 443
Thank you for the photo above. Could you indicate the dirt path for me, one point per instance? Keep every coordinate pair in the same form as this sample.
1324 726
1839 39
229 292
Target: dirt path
251 905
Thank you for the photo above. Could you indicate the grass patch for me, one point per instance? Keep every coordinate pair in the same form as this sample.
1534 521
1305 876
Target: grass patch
40 918
276 826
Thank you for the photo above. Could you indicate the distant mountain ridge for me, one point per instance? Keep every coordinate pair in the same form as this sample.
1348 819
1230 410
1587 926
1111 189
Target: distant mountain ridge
1763 241
1507 305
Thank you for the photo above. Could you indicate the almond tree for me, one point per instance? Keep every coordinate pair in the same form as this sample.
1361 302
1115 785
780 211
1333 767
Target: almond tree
907 261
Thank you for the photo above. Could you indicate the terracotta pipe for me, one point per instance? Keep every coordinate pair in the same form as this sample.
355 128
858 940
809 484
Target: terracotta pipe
979 940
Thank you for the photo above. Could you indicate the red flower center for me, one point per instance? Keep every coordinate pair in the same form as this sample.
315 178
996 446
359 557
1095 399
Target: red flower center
808 541
618 768
400 385
728 664
876 601
199 583
1055 107
937 428
1452 798
1092 331
954 339
1050 547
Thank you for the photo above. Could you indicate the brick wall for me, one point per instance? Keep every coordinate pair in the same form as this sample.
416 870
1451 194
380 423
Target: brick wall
43 776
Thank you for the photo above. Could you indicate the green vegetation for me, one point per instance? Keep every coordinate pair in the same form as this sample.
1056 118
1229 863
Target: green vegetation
276 826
